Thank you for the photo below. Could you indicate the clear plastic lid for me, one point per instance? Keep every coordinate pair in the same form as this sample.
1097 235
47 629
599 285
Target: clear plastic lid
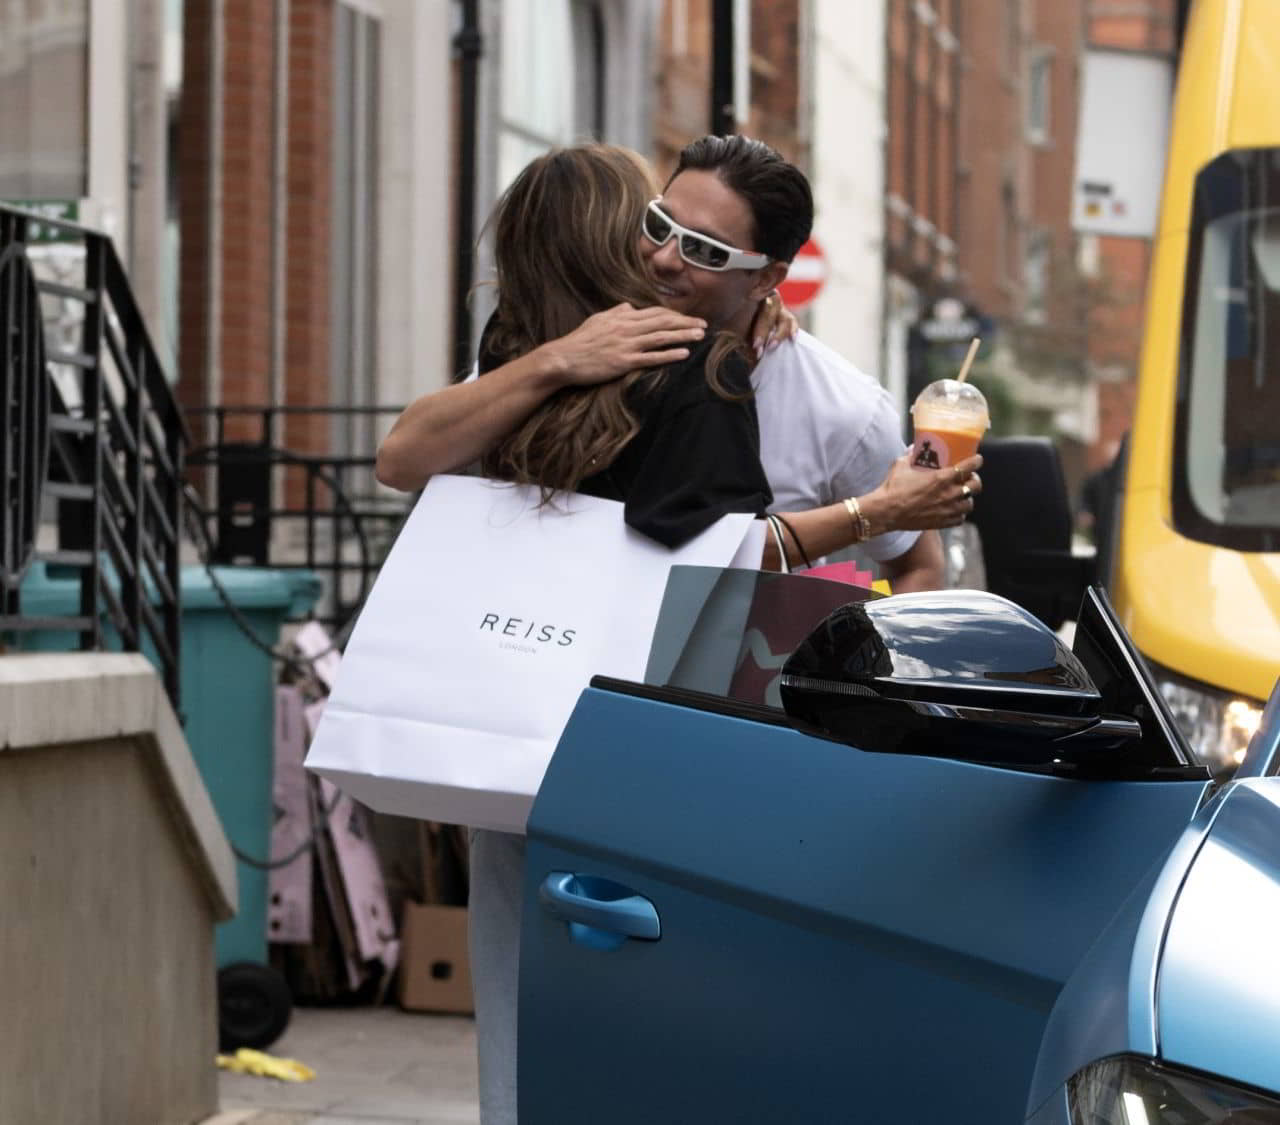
952 401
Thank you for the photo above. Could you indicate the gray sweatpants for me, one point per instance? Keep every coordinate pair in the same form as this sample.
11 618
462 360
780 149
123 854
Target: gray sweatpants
497 876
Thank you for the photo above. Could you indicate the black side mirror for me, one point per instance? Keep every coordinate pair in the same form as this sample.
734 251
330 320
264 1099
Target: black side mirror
961 674
968 675
1025 522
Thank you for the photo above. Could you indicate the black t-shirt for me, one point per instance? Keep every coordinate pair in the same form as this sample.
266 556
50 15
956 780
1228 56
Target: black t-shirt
695 458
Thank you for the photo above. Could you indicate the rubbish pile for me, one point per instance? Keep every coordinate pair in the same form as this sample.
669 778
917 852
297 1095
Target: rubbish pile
357 900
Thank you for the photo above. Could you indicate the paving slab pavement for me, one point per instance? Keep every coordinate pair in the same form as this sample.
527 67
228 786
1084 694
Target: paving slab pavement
374 1066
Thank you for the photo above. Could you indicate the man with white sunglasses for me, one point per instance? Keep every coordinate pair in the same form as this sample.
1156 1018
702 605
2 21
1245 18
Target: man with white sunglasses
719 240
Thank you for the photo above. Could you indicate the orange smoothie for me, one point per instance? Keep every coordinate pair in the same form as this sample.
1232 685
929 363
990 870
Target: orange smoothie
949 418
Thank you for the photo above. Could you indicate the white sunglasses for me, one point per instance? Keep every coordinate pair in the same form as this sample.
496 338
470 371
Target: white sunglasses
697 249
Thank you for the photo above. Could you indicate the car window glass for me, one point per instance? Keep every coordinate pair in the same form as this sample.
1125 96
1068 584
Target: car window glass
728 632
1125 682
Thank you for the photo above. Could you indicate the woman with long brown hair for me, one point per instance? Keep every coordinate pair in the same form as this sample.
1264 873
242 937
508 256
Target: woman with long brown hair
678 444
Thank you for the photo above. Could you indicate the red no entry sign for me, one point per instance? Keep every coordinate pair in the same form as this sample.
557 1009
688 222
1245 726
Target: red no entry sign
805 277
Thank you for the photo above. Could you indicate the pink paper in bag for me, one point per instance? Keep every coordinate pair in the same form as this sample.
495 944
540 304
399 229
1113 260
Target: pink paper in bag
839 572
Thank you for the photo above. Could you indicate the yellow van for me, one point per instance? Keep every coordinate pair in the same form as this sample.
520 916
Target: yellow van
1190 555
1195 570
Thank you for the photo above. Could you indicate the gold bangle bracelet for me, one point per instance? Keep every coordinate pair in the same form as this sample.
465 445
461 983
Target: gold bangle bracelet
851 507
861 525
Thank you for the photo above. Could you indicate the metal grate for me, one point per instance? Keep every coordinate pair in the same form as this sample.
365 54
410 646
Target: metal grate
93 445
268 505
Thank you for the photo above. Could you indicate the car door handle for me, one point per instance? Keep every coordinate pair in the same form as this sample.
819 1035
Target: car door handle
600 912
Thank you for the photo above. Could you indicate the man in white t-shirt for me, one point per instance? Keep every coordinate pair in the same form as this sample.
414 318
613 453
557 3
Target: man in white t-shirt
830 441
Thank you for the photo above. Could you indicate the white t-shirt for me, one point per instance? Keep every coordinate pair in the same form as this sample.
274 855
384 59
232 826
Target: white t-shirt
827 431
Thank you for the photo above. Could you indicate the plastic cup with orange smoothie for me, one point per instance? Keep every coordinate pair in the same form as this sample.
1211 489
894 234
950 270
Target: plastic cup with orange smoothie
949 418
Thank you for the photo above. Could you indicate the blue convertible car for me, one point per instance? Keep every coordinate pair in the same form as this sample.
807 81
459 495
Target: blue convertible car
896 860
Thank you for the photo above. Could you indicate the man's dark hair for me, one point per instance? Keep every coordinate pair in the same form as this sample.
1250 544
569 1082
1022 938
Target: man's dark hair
777 192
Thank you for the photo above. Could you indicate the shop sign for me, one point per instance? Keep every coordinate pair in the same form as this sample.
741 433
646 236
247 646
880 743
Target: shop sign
950 321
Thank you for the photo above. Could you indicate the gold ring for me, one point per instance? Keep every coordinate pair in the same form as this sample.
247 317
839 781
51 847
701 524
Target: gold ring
968 492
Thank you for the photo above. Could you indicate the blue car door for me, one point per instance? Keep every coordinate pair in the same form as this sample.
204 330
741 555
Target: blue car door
729 920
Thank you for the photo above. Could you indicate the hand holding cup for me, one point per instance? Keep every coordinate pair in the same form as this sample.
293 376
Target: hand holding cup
912 500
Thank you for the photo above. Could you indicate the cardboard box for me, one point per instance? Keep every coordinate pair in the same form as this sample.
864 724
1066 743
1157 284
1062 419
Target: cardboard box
435 970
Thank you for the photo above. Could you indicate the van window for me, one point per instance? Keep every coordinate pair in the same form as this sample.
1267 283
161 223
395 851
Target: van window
1227 455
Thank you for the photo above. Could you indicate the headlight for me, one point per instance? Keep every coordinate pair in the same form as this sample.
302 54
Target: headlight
1216 724
1136 1091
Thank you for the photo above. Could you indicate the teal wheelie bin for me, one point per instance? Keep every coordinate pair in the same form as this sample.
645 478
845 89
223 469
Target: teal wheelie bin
228 708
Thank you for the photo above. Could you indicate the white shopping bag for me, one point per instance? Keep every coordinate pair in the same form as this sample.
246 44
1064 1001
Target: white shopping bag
489 617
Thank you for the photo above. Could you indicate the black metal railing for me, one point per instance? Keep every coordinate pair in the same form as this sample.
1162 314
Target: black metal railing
263 503
92 446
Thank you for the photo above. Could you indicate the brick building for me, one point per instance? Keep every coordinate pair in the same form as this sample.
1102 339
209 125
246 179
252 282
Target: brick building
983 127
682 76
288 179
1017 248
312 271
922 182
1115 325
923 106
312 152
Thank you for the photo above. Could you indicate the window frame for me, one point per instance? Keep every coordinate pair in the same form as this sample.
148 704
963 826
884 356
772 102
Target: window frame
69 185
355 261
1039 97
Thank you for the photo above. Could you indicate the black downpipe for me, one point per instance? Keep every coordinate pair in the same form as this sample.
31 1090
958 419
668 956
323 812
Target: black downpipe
723 118
469 45
1181 14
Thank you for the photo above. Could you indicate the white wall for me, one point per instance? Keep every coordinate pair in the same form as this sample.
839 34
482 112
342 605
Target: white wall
107 204
415 216
631 30
145 253
847 171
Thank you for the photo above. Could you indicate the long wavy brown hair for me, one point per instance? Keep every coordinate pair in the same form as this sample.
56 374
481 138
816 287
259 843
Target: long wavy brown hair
567 245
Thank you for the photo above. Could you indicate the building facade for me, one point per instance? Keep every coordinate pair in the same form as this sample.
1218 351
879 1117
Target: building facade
982 219
847 135
1120 263
922 180
300 186
1017 248
312 203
